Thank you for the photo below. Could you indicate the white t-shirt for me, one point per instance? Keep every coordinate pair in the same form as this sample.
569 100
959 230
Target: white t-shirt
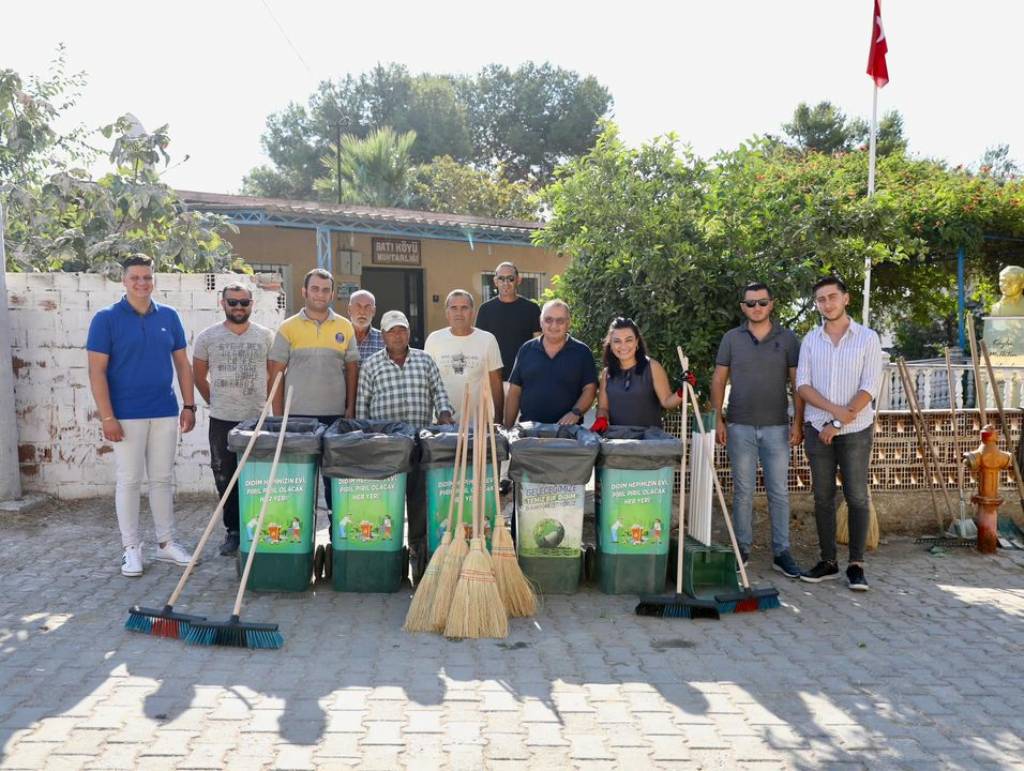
462 359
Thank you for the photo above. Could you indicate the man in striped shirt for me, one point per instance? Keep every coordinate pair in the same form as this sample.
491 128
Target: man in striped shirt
838 375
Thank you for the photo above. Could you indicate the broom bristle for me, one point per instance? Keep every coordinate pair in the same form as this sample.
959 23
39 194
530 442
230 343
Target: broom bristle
446 581
843 524
515 590
476 608
418 617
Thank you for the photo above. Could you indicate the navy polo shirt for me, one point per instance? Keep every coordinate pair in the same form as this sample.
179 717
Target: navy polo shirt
140 372
551 386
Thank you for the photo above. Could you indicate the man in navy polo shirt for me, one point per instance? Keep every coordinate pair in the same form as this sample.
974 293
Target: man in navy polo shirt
135 347
554 379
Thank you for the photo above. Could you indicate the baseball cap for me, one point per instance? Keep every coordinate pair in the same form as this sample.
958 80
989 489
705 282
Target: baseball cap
393 319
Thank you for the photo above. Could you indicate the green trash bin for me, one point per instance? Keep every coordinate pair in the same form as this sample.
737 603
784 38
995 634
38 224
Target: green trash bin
284 557
367 462
437 459
551 465
635 473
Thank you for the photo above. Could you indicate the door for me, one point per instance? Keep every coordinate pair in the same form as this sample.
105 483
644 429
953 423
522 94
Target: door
398 289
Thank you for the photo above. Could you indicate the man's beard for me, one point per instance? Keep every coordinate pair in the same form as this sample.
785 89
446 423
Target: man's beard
235 320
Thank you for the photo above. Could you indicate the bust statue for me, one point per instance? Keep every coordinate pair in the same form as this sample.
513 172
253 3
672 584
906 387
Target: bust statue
1011 285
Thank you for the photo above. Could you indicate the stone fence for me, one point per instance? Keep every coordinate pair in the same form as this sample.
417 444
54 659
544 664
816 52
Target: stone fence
60 445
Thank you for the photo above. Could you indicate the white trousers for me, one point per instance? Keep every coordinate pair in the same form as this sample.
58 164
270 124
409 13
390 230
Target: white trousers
148 446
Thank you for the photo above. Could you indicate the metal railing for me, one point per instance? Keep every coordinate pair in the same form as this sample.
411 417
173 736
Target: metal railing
932 386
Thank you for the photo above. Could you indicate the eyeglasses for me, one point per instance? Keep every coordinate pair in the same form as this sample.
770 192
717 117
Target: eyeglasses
235 303
752 303
505 279
554 321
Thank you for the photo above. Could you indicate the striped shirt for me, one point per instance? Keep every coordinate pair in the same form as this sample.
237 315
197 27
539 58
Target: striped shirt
369 345
838 372
412 393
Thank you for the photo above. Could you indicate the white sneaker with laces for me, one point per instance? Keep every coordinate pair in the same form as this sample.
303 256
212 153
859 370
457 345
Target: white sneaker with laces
173 552
131 561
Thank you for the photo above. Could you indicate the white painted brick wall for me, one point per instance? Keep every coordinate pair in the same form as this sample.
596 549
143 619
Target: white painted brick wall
62 450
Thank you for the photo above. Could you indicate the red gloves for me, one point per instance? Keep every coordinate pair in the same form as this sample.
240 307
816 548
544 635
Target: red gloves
688 377
600 425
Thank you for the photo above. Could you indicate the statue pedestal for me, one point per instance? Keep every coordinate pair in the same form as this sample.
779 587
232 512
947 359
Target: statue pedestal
1004 337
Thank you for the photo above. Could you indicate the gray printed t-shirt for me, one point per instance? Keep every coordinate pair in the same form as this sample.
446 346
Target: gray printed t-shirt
238 369
758 371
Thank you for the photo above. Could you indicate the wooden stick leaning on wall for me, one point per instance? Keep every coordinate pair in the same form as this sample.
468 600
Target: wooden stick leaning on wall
1003 424
922 443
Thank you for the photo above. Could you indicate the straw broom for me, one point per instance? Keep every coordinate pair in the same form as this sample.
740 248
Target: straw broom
457 547
476 609
515 590
418 619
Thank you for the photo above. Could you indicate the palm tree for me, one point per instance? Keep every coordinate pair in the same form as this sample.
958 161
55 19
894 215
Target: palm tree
375 171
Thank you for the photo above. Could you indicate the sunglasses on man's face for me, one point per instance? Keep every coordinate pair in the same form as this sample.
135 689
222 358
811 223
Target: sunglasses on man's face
752 303
235 303
505 279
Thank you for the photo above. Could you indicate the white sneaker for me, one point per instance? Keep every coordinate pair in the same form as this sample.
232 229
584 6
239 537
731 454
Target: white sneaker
173 552
131 561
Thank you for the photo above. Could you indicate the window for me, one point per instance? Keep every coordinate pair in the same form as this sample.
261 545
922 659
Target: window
531 288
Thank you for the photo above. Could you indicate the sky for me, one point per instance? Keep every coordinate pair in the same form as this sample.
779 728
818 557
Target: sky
715 72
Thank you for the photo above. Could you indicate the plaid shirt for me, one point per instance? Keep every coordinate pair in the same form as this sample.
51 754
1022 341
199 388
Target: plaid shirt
373 342
412 393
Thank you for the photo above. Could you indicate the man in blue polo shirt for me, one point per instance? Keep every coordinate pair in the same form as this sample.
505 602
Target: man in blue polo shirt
135 347
554 379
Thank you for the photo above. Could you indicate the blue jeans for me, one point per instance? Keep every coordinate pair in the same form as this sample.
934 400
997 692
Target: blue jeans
769 444
851 455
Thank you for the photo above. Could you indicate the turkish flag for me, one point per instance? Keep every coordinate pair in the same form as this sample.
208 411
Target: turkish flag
879 48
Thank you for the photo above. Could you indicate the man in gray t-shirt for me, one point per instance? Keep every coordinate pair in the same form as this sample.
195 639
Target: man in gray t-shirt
759 357
230 365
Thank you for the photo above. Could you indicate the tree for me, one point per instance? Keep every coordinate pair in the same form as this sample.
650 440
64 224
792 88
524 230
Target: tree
824 128
446 185
997 163
375 171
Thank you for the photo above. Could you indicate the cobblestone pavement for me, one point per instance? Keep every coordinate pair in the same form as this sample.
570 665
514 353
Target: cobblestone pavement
924 671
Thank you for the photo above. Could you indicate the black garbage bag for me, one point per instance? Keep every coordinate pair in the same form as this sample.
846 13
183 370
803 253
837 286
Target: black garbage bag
437 445
302 437
638 448
367 449
548 453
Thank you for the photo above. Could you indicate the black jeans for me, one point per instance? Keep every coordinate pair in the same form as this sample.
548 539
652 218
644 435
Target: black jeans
224 462
851 455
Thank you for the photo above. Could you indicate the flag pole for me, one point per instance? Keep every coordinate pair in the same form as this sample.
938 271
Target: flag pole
871 192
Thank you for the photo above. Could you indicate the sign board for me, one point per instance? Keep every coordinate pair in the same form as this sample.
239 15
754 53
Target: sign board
396 251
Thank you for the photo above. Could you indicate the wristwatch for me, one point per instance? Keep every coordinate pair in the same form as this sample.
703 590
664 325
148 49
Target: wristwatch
189 407
835 423
577 412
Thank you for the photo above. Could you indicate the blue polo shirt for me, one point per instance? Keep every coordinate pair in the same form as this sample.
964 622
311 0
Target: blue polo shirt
140 372
551 386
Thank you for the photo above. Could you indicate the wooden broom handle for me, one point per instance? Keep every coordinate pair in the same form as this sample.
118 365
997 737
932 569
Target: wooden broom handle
462 467
227 492
681 544
492 436
956 432
936 455
1002 420
979 384
266 502
461 437
919 431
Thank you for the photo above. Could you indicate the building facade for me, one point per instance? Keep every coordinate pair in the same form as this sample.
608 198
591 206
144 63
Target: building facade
410 260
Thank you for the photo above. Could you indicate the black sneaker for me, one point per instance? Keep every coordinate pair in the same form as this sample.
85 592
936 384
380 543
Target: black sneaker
230 545
785 564
745 559
823 571
856 579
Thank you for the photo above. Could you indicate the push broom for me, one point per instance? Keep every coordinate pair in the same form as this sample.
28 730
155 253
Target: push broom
680 604
418 617
963 527
235 633
516 592
747 599
165 622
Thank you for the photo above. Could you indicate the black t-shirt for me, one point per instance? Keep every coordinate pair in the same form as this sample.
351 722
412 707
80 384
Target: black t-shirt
551 386
512 323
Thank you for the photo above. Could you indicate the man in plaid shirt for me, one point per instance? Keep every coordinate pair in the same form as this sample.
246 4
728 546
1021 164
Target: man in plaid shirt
403 383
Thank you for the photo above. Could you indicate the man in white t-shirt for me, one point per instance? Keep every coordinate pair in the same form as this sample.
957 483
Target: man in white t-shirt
465 354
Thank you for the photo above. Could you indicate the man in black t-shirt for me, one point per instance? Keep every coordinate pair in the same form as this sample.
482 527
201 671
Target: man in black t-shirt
510 318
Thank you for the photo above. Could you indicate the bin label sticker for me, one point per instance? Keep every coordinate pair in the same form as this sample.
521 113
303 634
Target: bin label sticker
549 519
288 524
368 513
439 495
635 511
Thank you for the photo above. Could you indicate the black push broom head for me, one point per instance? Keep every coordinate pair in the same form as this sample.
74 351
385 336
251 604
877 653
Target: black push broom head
676 606
235 634
160 623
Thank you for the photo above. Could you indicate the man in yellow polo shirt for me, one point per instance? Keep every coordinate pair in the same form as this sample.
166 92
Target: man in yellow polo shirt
319 348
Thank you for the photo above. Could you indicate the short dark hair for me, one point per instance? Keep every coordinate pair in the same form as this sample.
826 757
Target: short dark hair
143 260
235 286
829 281
611 361
756 286
319 273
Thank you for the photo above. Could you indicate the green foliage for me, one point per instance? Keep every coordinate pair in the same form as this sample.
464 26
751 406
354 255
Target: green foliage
445 185
59 218
375 171
824 128
519 123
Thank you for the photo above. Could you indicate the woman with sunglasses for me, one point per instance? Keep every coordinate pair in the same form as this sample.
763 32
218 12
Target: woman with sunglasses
634 387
